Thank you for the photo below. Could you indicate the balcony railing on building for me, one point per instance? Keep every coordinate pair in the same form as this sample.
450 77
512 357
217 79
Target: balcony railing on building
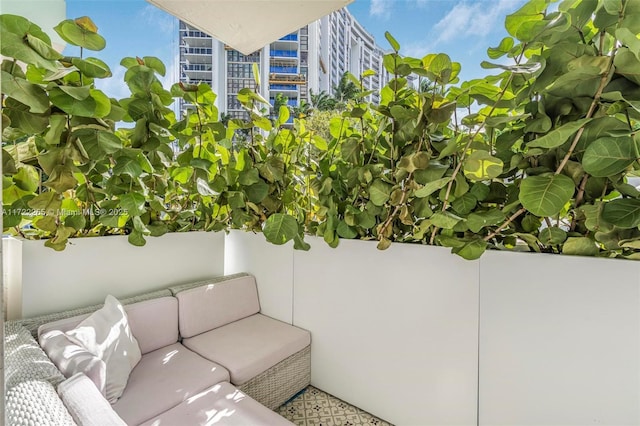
197 67
287 79
283 69
284 53
290 37
197 51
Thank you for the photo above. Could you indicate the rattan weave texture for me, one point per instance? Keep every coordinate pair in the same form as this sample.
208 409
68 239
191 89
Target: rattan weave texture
278 384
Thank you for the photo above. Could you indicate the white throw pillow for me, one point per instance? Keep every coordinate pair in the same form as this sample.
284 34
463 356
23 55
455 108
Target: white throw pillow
106 334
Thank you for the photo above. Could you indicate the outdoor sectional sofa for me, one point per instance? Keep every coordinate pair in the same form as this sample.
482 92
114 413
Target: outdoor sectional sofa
207 354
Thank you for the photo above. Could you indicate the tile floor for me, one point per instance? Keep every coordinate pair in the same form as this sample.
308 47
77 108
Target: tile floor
314 407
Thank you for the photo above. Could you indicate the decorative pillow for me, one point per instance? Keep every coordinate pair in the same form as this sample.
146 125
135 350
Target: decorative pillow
106 335
71 358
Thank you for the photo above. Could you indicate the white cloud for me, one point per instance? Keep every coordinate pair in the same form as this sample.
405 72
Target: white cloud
158 18
380 8
471 20
114 86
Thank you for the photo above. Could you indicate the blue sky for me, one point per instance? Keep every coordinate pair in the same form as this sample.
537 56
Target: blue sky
463 29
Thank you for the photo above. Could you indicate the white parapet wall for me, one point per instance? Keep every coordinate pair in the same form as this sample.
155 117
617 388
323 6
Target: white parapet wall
90 268
559 340
418 336
394 332
272 266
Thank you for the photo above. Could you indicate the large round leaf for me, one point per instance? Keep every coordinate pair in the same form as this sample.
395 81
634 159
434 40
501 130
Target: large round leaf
379 192
481 165
622 212
80 34
23 91
609 155
92 67
280 228
546 195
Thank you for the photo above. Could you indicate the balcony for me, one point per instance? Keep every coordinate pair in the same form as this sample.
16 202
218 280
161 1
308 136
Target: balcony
283 69
196 51
283 53
287 79
290 37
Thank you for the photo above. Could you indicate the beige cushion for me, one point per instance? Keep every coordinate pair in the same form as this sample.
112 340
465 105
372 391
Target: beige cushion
249 346
214 305
106 334
163 379
154 322
71 358
221 404
86 404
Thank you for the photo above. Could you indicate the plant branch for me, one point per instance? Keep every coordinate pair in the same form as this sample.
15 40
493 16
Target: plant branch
505 224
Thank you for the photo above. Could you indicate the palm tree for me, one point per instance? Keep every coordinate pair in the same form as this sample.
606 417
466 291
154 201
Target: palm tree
322 101
346 89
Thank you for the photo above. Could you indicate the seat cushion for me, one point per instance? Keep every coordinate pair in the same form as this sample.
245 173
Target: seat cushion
163 379
249 346
220 404
213 305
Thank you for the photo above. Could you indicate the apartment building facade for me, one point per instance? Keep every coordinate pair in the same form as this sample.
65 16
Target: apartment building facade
314 58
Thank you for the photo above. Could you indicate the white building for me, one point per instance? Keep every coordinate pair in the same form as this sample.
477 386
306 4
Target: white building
312 58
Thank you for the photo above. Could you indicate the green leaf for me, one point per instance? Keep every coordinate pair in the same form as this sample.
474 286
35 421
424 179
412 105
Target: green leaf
127 166
300 244
431 187
379 192
283 115
133 204
98 143
559 135
280 228
465 204
61 179
80 34
479 220
136 238
14 33
481 165
552 236
27 178
471 250
257 192
48 202
546 195
156 64
43 48
345 231
392 41
623 212
528 21
92 67
580 246
627 65
26 93
608 156
445 220
506 44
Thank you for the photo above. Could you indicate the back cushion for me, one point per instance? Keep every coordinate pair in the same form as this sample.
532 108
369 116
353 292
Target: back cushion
214 305
154 323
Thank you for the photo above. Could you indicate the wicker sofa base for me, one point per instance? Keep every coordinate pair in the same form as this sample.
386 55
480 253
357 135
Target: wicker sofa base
278 384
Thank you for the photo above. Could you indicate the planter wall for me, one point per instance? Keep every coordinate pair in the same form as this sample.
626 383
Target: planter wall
559 340
90 268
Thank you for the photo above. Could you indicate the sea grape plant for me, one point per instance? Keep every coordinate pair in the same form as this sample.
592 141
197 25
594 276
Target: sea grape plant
535 156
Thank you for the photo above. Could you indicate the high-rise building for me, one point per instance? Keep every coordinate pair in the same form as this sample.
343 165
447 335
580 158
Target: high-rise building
314 58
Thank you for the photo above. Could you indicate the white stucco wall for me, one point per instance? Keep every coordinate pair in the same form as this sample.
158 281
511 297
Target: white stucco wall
90 268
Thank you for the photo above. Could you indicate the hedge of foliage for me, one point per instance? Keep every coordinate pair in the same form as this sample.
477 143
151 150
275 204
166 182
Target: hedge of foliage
535 156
